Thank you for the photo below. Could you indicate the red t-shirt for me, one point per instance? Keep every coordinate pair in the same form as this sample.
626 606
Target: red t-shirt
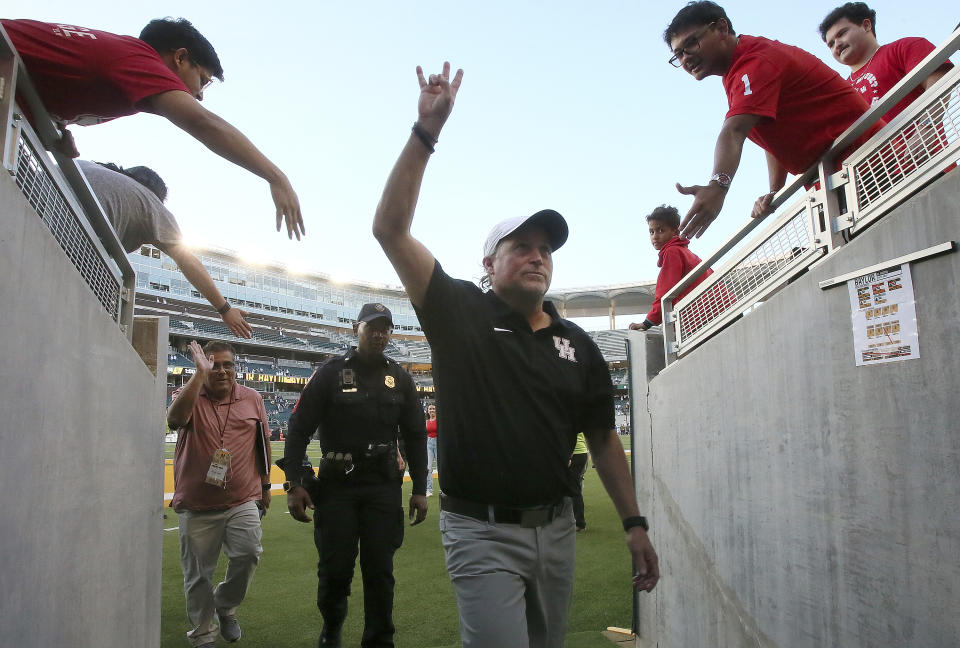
890 63
807 103
675 261
86 76
432 429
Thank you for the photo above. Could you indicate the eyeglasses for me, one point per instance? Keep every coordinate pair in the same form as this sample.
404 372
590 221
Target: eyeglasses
224 366
691 45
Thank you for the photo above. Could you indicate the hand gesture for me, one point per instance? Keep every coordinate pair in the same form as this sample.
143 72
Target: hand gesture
645 560
436 98
418 509
298 501
641 326
203 363
707 203
234 319
288 206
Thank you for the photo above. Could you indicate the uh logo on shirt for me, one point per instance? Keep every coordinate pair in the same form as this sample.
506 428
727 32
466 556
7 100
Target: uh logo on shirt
564 348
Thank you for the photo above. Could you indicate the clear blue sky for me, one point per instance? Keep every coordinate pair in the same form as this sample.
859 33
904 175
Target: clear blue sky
566 104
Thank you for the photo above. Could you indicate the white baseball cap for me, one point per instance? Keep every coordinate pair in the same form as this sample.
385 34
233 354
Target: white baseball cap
551 222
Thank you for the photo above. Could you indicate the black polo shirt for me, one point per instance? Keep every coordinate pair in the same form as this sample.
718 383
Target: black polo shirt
355 403
510 401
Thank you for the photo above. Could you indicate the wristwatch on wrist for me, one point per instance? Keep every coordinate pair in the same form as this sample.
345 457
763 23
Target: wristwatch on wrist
266 486
721 179
635 520
290 485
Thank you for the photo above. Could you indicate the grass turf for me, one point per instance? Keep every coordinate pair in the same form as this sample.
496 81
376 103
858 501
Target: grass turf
280 608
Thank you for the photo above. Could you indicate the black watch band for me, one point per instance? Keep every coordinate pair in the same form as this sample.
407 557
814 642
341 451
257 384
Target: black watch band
635 520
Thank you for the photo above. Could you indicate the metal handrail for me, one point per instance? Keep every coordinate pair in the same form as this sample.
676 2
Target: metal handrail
827 222
75 187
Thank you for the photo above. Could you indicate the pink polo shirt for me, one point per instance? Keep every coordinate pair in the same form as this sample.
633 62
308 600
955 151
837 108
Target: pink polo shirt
200 438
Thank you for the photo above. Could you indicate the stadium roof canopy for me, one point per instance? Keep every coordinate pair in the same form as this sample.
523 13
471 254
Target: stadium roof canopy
595 301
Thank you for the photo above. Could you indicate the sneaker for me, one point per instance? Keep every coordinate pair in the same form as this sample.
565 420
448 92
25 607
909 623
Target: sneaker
229 627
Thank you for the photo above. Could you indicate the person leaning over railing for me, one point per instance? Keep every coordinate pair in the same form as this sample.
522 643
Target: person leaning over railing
85 76
132 200
781 97
850 31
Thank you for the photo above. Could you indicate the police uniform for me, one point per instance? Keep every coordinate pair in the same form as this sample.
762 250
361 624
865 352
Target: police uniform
359 405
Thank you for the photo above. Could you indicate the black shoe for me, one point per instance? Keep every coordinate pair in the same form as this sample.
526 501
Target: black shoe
329 638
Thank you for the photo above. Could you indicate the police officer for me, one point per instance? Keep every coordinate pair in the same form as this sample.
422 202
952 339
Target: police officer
359 401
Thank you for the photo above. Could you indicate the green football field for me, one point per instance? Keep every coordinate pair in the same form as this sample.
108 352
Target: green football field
280 609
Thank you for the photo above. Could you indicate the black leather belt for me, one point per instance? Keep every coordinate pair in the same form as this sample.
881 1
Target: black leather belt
531 517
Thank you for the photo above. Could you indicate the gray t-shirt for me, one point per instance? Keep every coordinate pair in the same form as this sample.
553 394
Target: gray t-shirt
136 213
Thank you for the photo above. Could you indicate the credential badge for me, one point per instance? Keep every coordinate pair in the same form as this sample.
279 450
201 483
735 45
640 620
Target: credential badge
389 382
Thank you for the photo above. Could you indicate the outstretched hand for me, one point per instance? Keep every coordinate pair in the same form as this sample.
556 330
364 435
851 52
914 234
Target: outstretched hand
707 203
288 207
203 363
437 95
234 318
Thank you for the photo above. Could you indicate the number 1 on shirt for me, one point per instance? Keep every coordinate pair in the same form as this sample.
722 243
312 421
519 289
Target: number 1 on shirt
746 85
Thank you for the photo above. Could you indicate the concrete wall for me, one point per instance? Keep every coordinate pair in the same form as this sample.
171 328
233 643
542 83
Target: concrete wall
796 499
81 448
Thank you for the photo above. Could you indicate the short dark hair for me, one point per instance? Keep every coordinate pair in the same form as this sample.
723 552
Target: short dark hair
702 12
216 345
665 214
168 35
144 175
855 12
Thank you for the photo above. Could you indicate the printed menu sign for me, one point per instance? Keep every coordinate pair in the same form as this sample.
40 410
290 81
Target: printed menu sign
884 316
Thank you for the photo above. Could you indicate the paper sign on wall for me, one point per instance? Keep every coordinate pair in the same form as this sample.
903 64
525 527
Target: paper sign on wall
884 316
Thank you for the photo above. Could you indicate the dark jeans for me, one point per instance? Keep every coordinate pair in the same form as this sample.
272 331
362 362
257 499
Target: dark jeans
578 468
372 515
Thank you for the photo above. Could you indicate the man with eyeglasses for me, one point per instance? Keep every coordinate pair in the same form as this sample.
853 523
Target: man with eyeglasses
781 97
218 487
86 76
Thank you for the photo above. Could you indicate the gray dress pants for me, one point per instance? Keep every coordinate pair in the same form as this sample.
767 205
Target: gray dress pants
513 584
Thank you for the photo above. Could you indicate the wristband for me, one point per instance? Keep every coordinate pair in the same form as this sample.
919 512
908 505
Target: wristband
266 487
634 521
225 308
426 138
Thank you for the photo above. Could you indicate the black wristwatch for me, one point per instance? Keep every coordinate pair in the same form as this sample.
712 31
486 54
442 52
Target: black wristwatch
635 520
290 485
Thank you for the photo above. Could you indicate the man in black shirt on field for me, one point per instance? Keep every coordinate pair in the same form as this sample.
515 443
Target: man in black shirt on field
506 516
359 401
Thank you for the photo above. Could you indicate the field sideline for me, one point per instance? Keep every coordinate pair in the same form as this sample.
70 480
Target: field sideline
280 610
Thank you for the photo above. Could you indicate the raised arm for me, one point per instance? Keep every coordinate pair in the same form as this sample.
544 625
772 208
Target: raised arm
391 224
225 140
198 276
708 199
181 409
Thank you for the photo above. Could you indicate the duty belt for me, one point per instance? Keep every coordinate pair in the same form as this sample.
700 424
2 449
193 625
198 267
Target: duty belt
534 516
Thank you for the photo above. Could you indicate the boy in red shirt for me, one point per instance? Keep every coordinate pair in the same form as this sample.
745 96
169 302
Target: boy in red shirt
675 260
